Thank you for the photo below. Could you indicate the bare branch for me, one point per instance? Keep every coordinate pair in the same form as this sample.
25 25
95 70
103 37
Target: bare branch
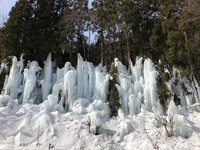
89 124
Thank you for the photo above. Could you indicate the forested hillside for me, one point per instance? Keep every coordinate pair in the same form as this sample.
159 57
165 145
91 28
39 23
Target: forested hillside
119 74
166 30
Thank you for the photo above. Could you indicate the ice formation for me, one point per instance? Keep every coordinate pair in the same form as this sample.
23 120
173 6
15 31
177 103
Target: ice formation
30 80
84 90
64 89
187 90
181 125
14 81
137 87
124 129
46 82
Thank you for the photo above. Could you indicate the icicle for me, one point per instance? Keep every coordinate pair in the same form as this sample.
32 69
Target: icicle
14 81
30 80
70 89
47 78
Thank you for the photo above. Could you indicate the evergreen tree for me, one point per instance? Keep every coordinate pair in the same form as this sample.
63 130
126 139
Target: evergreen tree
45 29
113 97
74 24
99 20
190 26
13 35
111 30
170 11
167 40
135 23
32 29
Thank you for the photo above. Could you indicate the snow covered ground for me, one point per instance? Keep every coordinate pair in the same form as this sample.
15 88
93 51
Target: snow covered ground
26 127
70 101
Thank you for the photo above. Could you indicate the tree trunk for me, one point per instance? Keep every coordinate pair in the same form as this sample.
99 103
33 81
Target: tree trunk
88 50
84 47
102 53
128 49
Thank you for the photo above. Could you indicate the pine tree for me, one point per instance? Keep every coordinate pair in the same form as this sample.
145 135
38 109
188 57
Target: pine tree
74 24
167 39
113 97
111 30
136 23
32 29
99 20
45 30
190 27
14 33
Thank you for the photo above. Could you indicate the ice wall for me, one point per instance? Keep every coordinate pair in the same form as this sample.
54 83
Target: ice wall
150 85
187 90
60 88
138 86
12 86
86 81
46 82
30 79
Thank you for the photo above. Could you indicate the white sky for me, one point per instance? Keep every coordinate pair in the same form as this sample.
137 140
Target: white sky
6 5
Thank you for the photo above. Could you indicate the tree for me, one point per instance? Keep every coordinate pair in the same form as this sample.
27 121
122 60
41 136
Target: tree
113 97
45 29
167 39
190 26
136 23
74 24
15 30
32 29
99 23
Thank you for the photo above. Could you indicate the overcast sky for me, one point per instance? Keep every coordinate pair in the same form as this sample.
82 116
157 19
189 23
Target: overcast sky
6 5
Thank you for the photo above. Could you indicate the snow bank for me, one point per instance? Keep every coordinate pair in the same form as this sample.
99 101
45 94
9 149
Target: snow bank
181 125
80 106
124 129
99 112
